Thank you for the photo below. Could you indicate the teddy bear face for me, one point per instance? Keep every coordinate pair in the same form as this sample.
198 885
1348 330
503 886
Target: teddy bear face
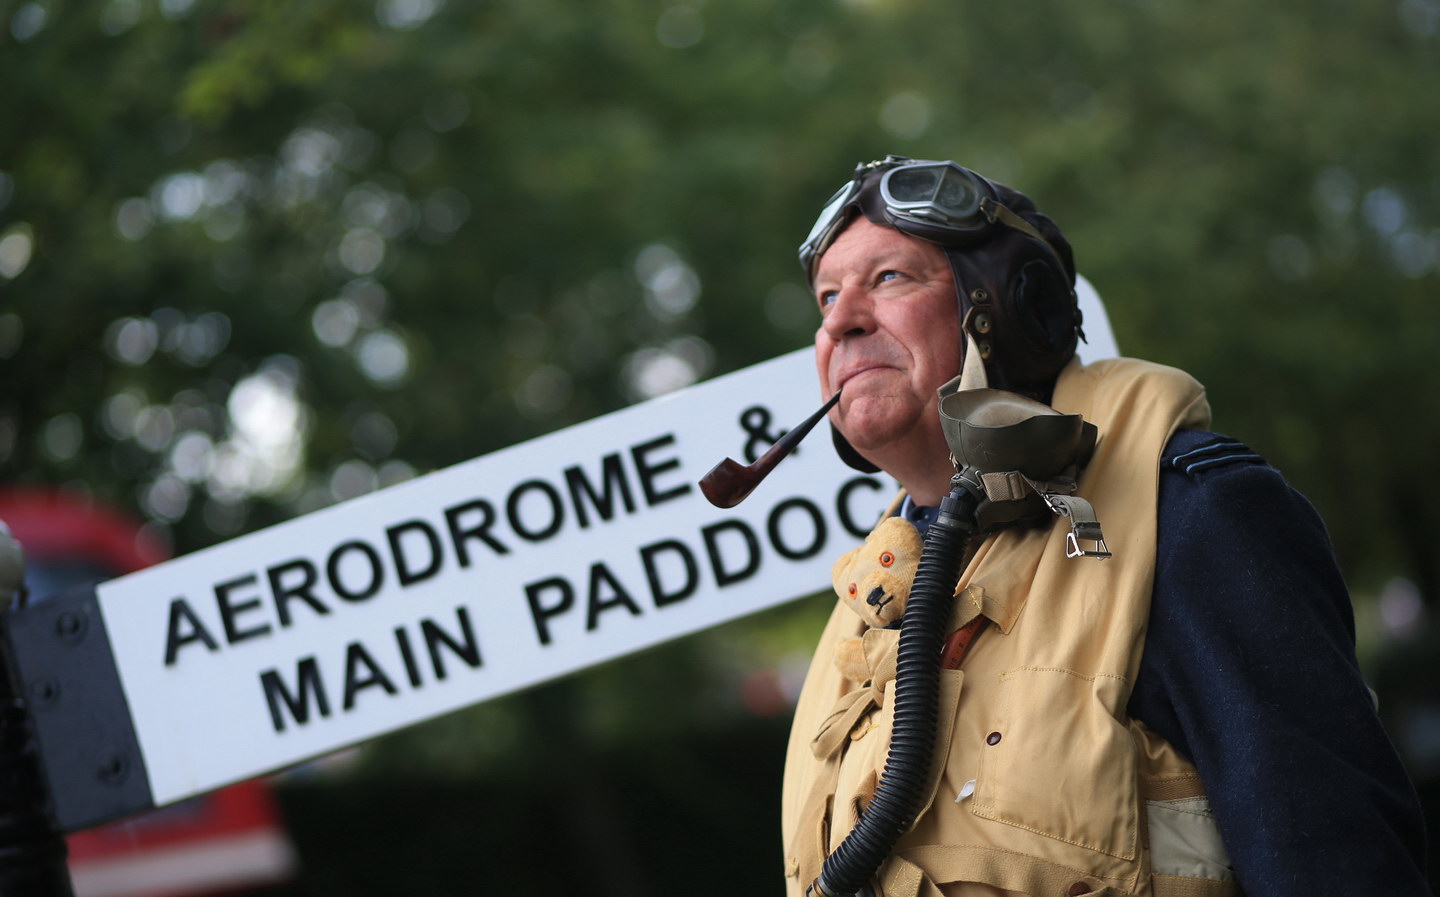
874 580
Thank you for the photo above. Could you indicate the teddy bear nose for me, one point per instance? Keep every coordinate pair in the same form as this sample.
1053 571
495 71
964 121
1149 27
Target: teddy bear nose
875 597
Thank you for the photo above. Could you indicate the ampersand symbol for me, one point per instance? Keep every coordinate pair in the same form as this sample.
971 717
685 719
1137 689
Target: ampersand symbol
755 420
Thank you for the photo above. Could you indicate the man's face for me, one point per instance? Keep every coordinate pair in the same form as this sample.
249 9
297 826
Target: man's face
889 335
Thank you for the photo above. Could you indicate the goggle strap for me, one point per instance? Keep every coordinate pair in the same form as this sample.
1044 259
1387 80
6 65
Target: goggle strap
994 211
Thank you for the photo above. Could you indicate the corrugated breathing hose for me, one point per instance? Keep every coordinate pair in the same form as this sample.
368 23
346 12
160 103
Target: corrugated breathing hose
917 692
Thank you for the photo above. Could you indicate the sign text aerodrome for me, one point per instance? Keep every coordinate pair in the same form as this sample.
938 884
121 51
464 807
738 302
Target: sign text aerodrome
478 580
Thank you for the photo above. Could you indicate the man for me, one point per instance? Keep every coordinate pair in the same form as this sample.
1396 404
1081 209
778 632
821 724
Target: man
1185 718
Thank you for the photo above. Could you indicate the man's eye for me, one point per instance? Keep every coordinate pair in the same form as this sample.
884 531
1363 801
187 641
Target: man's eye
889 275
827 297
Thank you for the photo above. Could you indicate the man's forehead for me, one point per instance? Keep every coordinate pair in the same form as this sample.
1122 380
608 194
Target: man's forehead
865 244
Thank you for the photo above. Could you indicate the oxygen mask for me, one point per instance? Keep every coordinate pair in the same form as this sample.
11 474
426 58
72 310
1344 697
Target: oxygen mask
1022 457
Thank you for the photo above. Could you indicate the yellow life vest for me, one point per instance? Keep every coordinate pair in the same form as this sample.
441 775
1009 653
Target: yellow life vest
1041 784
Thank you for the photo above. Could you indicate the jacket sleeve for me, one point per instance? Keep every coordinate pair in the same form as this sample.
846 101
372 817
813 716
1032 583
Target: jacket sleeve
1249 669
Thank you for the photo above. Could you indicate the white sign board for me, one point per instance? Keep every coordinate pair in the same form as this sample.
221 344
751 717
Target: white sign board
478 580
1099 338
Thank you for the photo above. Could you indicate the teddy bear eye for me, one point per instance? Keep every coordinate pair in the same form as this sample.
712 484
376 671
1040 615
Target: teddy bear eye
886 559
853 590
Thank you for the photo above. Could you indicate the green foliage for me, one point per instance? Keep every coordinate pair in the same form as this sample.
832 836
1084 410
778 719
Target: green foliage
1256 203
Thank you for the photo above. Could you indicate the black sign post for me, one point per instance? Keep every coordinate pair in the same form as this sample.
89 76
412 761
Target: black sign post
32 850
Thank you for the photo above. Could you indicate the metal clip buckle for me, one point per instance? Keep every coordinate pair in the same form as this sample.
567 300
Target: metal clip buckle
1060 505
988 209
1073 549
1045 497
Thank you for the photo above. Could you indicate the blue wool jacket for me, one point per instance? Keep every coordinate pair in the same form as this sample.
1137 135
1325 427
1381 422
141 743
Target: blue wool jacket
1249 670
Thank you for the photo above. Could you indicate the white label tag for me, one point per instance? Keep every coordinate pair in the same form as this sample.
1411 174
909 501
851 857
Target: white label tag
966 790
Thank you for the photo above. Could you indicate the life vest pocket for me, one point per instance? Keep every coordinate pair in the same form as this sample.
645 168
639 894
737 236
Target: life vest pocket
1057 762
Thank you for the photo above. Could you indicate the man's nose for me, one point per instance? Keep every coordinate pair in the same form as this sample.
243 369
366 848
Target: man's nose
852 314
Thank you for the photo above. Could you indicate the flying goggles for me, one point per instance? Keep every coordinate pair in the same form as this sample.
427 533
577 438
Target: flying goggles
936 201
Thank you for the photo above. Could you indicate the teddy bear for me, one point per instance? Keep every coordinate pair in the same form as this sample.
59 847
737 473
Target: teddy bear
874 581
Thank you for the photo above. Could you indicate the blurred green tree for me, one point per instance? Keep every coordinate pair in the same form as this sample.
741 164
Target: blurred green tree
421 232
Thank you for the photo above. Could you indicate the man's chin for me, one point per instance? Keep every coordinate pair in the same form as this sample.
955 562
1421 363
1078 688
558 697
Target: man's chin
871 442
873 422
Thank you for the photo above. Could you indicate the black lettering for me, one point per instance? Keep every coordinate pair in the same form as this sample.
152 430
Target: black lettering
479 531
467 650
557 510
412 670
612 478
229 611
772 527
307 672
542 614
725 577
181 615
658 593
649 470
285 594
599 574
357 680
842 505
408 576
377 573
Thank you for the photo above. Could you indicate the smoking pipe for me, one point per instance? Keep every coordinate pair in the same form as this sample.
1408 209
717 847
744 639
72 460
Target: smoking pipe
727 484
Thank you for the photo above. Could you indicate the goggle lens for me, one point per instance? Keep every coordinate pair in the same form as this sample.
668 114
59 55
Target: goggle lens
914 184
939 191
824 228
826 221
958 194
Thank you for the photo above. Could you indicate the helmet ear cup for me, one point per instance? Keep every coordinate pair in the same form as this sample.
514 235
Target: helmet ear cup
1044 309
1028 325
1035 327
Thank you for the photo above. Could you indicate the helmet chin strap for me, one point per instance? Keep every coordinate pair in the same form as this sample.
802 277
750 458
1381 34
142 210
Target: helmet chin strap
972 371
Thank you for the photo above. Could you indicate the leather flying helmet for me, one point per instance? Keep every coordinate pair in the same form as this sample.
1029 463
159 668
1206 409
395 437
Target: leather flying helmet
1014 272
